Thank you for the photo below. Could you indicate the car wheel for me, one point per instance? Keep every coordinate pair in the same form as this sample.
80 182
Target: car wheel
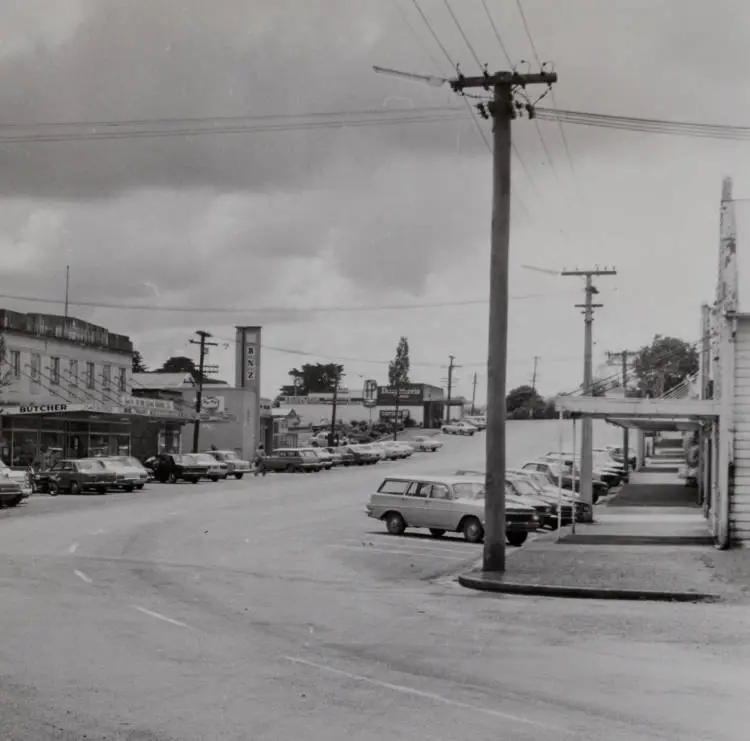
173 478
139 486
53 488
238 476
99 489
473 530
194 481
516 539
214 479
14 502
395 523
129 488
289 468
75 487
437 532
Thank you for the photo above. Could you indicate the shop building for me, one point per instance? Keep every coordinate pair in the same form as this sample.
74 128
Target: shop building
65 391
426 405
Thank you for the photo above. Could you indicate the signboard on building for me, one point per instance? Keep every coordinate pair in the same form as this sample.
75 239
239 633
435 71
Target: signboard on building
411 395
248 357
43 408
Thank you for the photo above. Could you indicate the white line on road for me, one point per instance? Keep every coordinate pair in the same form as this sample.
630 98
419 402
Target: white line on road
73 547
424 695
372 549
159 616
83 576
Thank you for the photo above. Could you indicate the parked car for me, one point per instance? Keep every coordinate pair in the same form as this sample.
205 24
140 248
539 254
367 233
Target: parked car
292 460
129 472
363 455
337 456
479 422
426 444
458 428
22 476
75 476
237 466
552 492
444 504
393 450
11 494
322 454
610 475
554 470
346 456
176 467
215 470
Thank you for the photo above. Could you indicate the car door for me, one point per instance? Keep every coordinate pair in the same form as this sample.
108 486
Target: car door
440 509
416 505
66 474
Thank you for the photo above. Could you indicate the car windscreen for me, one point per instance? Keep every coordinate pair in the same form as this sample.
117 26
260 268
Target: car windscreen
468 490
204 458
91 465
185 459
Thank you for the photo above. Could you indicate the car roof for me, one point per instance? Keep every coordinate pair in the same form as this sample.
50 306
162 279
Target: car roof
447 480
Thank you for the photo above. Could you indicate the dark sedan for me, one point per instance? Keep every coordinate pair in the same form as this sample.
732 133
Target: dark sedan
174 467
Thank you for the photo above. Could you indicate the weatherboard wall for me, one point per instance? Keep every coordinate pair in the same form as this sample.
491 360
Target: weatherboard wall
740 496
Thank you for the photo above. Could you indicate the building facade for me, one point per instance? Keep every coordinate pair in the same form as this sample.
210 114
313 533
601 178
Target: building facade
65 391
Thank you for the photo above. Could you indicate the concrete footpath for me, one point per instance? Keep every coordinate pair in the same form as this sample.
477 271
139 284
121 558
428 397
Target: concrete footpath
650 541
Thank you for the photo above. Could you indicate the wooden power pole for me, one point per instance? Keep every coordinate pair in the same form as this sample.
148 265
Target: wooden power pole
451 366
204 345
473 394
587 436
623 357
502 109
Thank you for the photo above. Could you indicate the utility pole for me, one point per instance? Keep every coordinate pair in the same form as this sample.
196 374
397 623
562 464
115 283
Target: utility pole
398 404
502 109
67 288
587 436
204 345
332 433
473 394
623 357
533 387
451 366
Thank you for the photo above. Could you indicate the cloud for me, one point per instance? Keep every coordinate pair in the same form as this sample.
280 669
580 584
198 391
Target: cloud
364 214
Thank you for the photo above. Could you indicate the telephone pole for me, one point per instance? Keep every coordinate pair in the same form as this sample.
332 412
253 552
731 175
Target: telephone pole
533 388
502 109
587 436
614 357
473 394
332 433
451 366
204 345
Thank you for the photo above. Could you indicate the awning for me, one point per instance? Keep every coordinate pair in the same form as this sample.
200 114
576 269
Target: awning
649 415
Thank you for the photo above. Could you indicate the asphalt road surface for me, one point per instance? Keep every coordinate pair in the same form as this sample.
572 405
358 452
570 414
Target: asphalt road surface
272 608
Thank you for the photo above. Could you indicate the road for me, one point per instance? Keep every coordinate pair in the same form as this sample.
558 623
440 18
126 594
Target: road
271 608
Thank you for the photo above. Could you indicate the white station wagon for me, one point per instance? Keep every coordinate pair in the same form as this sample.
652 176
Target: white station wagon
444 504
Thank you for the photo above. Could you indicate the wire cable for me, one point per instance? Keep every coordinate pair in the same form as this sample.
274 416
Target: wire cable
463 33
419 39
434 34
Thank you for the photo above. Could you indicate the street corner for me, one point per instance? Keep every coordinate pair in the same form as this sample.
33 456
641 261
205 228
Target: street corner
501 583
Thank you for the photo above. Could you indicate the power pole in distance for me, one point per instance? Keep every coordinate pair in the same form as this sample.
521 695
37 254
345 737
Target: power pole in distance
502 109
204 345
474 394
587 436
614 357
533 387
332 433
451 366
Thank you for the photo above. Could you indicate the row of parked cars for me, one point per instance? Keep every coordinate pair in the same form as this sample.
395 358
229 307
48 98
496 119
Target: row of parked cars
315 459
533 498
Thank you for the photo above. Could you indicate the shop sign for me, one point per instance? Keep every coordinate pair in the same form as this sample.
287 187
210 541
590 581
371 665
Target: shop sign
409 395
42 408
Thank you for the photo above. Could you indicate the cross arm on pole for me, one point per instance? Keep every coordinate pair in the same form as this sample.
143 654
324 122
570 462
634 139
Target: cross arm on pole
488 81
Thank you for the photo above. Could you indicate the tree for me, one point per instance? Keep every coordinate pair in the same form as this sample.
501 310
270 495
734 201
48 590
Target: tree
398 369
178 364
139 364
525 402
663 364
313 378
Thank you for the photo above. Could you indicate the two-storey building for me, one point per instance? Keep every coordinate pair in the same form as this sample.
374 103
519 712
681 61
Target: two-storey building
65 390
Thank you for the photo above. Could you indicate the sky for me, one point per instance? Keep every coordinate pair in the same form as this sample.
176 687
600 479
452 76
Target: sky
278 223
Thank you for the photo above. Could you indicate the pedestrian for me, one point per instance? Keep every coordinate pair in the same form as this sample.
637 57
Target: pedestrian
260 463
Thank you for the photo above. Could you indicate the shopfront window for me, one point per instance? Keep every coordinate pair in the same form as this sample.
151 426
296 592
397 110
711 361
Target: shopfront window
25 448
90 376
122 380
98 445
54 371
119 445
15 364
73 372
106 377
36 370
52 444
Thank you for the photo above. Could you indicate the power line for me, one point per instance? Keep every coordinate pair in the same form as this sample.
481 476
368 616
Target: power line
188 309
463 33
497 34
434 34
419 39
552 92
